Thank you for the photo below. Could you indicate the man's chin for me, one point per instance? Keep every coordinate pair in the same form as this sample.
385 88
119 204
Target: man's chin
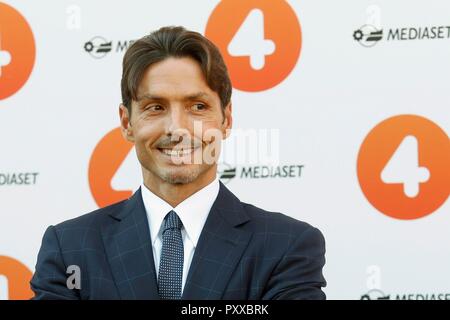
179 176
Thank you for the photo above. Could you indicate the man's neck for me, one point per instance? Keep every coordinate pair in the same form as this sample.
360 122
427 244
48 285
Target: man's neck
174 194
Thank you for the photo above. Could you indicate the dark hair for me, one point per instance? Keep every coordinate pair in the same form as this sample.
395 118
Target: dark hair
174 42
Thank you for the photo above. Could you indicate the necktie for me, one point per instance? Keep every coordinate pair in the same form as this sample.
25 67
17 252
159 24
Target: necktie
172 257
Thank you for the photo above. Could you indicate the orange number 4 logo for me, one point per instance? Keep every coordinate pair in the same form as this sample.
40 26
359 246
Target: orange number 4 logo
404 167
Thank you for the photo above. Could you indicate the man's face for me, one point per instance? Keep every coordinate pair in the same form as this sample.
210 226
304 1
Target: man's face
176 123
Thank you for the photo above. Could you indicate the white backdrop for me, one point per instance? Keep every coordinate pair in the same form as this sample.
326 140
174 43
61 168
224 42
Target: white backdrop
341 87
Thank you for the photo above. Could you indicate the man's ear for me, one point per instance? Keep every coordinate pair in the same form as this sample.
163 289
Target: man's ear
227 121
125 124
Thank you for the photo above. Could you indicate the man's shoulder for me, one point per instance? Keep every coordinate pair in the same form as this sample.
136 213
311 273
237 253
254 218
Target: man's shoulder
276 222
91 220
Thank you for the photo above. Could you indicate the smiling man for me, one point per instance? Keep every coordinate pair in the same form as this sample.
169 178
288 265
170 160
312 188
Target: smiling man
183 234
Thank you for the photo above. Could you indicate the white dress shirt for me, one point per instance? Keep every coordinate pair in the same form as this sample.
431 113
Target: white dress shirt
192 212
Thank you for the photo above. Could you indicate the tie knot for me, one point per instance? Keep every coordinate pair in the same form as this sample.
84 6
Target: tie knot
172 221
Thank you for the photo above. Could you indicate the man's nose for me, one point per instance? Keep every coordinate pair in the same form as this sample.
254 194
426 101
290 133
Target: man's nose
177 121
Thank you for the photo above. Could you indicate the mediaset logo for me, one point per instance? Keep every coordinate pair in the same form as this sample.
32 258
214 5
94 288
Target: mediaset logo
369 35
227 172
376 294
98 47
18 178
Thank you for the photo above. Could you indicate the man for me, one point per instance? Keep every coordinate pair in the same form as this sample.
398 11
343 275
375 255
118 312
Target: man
183 234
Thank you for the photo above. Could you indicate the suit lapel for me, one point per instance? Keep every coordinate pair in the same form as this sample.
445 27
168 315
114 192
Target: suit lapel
129 251
219 249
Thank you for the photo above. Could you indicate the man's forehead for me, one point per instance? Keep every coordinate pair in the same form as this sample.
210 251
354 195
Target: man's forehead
175 77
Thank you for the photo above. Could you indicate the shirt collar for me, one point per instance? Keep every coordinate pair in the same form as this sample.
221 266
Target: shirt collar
193 211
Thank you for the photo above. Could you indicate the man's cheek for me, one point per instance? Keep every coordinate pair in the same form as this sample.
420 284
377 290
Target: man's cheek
143 149
145 136
213 141
211 134
201 128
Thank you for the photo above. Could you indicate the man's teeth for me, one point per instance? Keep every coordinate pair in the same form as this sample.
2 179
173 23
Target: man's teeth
177 153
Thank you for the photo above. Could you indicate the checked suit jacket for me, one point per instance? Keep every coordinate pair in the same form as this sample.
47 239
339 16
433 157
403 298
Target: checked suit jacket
243 253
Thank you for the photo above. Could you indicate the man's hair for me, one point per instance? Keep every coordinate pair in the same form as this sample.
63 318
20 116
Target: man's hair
174 42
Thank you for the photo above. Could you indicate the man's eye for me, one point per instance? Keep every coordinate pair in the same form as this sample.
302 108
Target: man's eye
199 107
154 108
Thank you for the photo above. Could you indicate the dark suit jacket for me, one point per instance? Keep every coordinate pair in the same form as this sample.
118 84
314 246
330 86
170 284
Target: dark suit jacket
243 253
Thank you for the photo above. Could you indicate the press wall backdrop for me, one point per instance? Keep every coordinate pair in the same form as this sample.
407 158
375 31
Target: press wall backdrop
353 98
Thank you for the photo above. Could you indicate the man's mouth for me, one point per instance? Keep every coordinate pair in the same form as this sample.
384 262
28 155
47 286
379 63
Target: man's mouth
177 152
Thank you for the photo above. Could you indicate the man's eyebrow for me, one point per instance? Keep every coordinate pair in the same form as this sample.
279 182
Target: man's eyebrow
149 96
189 97
197 95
